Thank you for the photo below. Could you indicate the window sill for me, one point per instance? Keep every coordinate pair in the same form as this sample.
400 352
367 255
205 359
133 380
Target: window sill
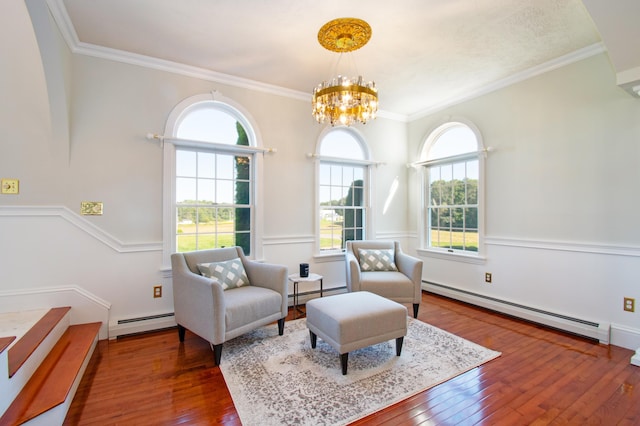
455 257
329 257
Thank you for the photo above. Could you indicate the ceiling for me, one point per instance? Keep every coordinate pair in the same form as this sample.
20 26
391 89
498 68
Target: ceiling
423 54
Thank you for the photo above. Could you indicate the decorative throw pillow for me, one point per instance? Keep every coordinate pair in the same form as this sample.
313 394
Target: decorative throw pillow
376 260
230 273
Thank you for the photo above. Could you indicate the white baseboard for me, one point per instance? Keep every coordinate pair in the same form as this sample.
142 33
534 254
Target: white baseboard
583 327
117 329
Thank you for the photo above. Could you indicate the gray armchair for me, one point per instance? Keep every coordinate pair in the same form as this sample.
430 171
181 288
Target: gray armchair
202 306
403 285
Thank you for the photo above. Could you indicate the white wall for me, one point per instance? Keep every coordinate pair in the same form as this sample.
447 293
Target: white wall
561 196
112 107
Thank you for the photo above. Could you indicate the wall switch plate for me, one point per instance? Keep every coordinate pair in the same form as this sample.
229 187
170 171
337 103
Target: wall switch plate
93 208
9 186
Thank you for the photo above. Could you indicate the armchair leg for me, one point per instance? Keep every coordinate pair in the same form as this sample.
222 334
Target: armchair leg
181 331
281 326
217 354
415 309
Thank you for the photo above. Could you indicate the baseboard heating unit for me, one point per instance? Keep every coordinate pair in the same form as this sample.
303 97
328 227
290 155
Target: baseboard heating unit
128 326
582 327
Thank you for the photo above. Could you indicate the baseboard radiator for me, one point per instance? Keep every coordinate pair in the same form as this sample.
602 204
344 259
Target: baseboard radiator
586 328
124 327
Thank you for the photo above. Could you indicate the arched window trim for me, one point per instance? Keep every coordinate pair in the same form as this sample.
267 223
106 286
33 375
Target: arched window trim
169 158
367 162
430 138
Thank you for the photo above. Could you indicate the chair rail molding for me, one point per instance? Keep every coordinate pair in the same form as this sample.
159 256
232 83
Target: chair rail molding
81 223
609 249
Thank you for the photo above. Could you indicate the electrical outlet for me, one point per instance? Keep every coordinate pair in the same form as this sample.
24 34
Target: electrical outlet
629 304
157 291
9 186
487 277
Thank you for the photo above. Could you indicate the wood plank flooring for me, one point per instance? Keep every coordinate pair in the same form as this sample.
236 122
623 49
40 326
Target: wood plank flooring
543 377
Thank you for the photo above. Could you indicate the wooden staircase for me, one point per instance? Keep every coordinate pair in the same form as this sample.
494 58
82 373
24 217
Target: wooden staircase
40 371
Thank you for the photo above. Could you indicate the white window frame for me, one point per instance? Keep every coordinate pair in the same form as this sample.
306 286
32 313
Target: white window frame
254 150
365 162
424 186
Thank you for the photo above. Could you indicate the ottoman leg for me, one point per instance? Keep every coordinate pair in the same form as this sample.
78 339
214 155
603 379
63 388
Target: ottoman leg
399 342
314 339
343 360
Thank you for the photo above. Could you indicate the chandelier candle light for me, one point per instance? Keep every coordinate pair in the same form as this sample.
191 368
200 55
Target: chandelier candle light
344 100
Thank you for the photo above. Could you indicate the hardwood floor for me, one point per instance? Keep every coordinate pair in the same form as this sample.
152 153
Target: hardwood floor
543 377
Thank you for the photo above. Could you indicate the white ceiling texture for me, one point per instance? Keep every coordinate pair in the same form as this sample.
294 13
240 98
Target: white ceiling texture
423 54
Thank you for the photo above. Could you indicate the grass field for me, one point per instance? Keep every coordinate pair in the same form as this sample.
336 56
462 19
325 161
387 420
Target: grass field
211 235
330 237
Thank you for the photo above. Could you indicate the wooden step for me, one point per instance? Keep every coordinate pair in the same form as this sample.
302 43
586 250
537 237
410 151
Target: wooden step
53 380
5 342
28 343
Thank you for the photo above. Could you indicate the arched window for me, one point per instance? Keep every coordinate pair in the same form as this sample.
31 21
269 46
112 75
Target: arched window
452 183
210 166
343 188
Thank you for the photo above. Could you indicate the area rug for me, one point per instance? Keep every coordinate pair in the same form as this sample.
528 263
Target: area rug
280 380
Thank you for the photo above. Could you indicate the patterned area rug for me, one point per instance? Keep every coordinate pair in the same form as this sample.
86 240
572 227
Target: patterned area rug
280 380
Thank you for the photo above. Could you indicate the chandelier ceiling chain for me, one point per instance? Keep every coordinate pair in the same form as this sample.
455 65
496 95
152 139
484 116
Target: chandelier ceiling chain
345 100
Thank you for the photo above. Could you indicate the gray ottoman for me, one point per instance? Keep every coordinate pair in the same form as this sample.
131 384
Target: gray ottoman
356 320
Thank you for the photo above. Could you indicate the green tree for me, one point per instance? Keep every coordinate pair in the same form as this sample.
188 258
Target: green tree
352 220
242 190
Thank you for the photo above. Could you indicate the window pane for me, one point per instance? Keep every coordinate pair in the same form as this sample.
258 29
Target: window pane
224 192
242 167
206 191
336 175
186 242
225 166
185 163
324 195
472 191
341 143
453 140
204 122
185 190
242 193
347 176
206 165
242 219
325 174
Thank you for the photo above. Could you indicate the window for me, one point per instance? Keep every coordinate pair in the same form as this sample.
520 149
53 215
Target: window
343 176
212 162
451 167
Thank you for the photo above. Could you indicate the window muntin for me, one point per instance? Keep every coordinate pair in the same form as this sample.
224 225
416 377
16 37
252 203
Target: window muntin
213 188
342 190
453 173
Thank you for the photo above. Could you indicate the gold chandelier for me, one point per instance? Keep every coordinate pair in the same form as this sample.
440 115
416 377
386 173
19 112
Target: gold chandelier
344 100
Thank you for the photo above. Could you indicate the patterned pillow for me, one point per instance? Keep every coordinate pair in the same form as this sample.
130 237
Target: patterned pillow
376 260
230 273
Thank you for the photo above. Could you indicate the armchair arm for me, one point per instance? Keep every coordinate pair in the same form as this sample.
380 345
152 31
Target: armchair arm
198 302
412 268
353 272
